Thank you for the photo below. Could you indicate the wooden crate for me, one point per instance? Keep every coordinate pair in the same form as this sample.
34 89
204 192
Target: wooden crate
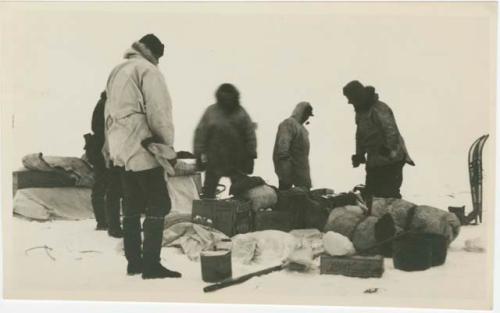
352 266
39 179
264 220
230 216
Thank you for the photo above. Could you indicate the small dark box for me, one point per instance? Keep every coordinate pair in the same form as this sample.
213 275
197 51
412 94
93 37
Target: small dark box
40 179
352 266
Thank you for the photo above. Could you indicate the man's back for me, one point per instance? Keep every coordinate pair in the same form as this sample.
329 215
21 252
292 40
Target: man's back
137 108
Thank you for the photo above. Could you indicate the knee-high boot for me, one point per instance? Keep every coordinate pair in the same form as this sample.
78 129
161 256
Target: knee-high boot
153 237
132 243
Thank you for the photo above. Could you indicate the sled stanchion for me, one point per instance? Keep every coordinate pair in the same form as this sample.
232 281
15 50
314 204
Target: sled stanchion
475 166
480 186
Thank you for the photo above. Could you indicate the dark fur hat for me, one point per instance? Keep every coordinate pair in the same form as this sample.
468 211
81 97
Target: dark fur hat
353 87
154 44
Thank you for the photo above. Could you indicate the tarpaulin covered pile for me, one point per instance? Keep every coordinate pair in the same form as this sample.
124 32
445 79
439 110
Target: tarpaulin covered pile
75 168
42 204
68 194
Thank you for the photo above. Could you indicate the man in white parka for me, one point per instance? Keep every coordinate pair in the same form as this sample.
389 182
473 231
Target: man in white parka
139 107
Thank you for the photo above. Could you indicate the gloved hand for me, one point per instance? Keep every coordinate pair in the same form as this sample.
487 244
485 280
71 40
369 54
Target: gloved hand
201 162
173 161
145 143
92 149
204 158
357 159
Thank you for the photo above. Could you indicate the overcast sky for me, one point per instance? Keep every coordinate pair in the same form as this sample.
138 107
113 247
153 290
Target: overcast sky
434 64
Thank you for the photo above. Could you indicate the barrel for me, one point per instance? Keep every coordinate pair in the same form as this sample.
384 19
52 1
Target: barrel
419 251
215 265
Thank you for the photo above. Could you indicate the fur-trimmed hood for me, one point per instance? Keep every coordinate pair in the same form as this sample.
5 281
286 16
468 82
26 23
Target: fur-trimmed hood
300 110
140 49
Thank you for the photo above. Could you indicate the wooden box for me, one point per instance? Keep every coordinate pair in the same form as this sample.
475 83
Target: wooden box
352 266
39 179
229 216
264 220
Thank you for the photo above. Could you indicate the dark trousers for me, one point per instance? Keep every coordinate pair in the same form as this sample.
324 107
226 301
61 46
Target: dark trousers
384 181
144 191
284 186
106 195
211 182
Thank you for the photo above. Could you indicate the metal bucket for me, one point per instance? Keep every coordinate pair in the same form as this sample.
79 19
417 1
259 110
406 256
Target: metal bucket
215 265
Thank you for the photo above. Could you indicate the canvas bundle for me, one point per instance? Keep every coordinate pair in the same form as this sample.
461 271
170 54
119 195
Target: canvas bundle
352 223
426 219
261 197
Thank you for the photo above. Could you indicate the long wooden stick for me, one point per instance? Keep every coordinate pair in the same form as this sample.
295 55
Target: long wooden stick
234 281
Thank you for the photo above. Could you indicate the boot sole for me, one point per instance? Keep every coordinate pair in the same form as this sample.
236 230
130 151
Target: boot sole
134 273
159 277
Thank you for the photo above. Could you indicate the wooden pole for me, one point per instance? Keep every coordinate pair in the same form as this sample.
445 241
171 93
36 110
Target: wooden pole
238 280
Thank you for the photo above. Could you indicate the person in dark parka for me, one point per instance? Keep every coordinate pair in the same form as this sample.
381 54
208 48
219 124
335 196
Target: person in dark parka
225 143
106 192
379 143
291 149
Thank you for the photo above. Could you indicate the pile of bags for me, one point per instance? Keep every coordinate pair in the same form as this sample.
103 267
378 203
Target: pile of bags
417 236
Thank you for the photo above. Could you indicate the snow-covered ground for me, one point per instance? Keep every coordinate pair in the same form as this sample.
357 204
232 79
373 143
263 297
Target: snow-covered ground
443 100
86 264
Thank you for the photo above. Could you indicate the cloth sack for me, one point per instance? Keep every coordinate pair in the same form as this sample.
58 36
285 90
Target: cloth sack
337 244
263 247
261 197
426 219
192 238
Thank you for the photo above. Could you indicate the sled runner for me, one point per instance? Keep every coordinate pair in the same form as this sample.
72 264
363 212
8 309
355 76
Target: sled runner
476 180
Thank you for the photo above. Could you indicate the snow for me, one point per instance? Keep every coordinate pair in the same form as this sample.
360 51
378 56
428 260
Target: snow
432 108
83 264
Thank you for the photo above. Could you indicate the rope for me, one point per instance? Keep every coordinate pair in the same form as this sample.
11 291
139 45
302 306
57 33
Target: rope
409 219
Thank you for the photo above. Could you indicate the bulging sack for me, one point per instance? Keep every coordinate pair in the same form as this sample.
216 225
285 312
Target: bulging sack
427 219
337 244
356 226
261 197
